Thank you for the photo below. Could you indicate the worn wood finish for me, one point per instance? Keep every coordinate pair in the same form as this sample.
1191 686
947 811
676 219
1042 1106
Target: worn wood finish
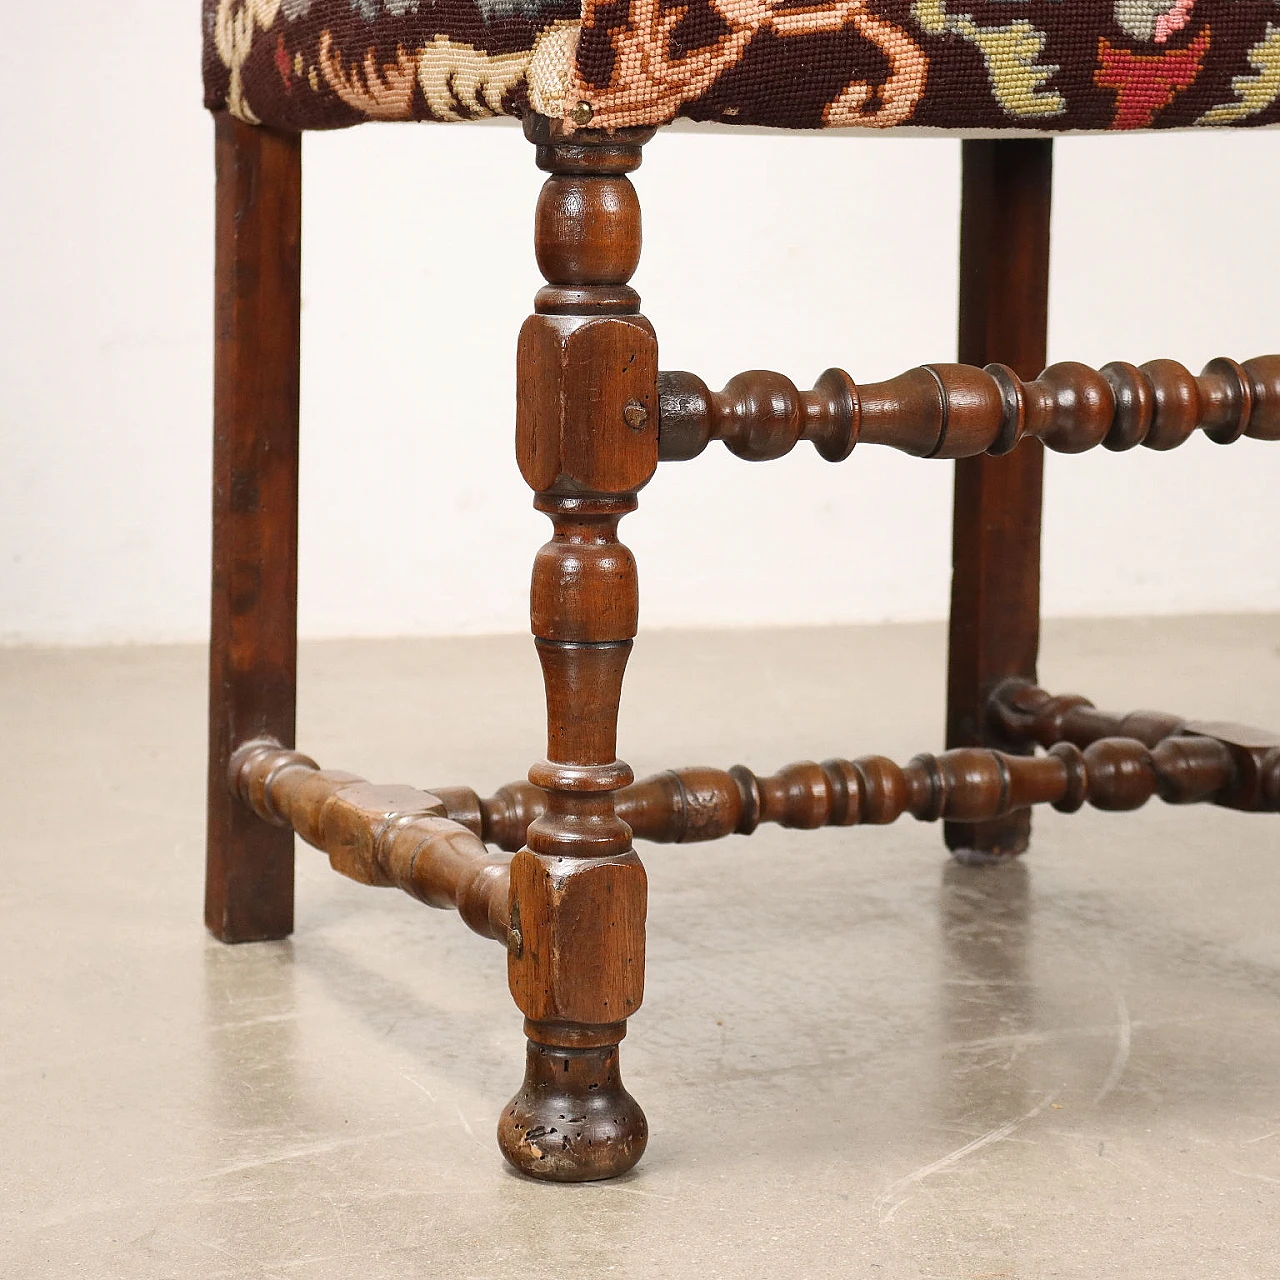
995 550
586 441
388 836
1184 762
1028 714
252 665
960 411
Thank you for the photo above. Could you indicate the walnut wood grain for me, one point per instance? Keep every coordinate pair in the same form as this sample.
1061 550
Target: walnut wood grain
1025 713
994 617
253 632
387 836
965 785
961 411
586 441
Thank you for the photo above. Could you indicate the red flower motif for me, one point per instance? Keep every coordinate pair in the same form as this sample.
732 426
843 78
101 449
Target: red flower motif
1146 83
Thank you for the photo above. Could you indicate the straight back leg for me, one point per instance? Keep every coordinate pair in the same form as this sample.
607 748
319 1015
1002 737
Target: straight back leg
995 586
253 639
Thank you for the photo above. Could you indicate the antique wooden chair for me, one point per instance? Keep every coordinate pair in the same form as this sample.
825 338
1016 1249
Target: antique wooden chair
594 417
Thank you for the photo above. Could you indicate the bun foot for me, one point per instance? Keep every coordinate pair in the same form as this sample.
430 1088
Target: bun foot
572 1120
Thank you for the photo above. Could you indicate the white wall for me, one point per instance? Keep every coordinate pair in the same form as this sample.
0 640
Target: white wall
787 252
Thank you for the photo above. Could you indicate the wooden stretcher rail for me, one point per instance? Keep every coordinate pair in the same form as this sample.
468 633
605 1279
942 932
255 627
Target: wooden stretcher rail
433 844
961 411
1025 714
965 785
378 835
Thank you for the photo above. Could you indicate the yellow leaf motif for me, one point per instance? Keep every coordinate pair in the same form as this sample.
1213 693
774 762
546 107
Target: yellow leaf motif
461 82
1253 93
1012 55
235 24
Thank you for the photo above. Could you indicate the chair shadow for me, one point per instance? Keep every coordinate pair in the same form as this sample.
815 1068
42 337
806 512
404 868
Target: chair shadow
256 1084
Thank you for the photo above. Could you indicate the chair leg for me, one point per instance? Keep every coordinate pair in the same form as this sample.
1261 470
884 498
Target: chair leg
995 589
587 440
253 639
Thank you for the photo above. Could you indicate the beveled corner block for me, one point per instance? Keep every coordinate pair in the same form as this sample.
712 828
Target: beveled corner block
587 403
581 923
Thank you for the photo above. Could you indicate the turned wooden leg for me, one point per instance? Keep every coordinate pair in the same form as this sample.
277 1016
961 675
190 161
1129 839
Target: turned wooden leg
995 588
587 440
253 638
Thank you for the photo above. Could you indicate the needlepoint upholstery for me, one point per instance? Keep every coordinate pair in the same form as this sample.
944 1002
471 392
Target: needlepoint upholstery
1050 65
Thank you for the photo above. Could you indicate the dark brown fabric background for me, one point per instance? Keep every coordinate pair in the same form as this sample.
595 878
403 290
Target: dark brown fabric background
357 29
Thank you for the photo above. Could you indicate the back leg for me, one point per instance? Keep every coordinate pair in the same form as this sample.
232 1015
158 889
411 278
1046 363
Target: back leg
995 586
253 638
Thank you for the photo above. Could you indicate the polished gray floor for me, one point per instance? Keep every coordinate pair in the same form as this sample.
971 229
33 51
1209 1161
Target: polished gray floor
857 1059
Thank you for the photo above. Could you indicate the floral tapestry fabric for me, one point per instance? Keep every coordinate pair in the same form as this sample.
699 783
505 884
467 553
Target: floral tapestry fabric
1051 65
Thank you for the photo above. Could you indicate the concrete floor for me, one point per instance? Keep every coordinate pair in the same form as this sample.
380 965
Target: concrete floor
857 1059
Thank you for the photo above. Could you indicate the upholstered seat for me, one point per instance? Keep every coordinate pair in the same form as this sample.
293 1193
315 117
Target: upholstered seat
1051 65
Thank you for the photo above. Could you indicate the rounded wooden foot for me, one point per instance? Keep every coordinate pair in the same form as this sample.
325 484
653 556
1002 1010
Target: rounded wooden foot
572 1120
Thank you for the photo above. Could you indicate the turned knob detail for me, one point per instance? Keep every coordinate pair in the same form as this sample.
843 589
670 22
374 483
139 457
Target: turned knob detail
969 784
960 411
1024 714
